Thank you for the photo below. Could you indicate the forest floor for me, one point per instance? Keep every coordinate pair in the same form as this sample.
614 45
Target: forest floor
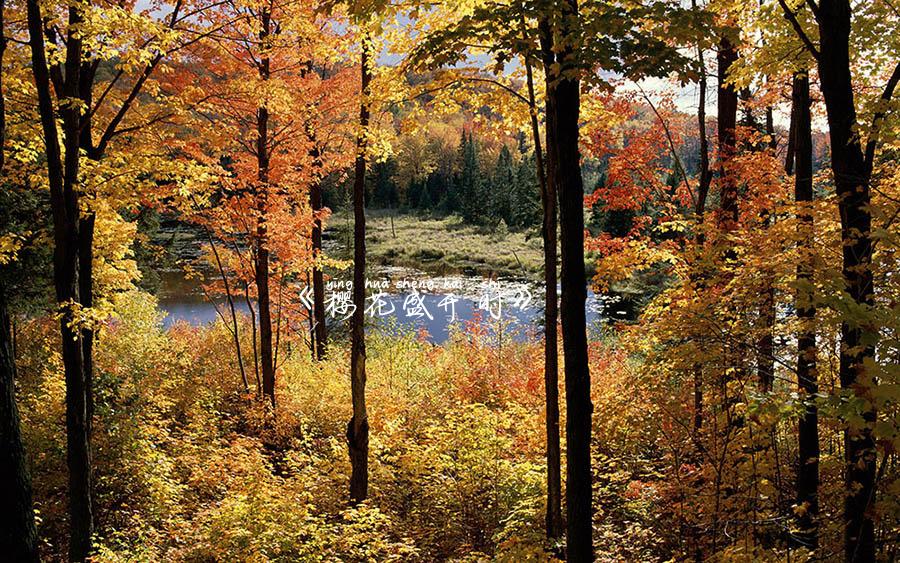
439 245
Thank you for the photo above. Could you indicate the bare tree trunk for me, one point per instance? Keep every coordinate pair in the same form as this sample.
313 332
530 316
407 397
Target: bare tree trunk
230 300
262 248
312 324
704 181
18 535
727 221
86 293
63 178
87 72
3 44
553 519
278 316
766 345
852 173
808 429
358 427
255 339
318 283
564 98
727 103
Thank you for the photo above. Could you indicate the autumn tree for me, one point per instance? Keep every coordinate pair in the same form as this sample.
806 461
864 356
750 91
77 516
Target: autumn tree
852 163
285 89
565 49
511 31
62 169
65 82
557 38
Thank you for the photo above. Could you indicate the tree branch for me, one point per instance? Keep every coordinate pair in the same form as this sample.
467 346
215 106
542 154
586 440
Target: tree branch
879 116
672 148
792 18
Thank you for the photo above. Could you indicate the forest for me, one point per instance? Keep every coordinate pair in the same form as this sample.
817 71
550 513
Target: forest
449 280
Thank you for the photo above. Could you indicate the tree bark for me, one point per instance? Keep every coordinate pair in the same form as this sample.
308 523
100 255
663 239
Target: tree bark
86 295
63 178
553 518
358 427
564 98
318 282
727 105
18 535
703 183
765 348
808 429
262 244
851 178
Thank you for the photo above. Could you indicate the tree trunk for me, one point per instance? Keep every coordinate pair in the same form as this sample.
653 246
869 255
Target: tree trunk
262 288
255 340
262 248
766 344
3 44
851 178
808 430
358 427
229 298
727 222
727 105
86 294
562 139
18 535
703 183
63 177
86 74
553 519
318 283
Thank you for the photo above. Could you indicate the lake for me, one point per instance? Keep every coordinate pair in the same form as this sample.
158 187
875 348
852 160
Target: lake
409 300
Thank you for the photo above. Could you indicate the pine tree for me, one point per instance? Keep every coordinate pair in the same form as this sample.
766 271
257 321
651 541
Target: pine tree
470 182
424 203
502 186
384 189
411 195
526 202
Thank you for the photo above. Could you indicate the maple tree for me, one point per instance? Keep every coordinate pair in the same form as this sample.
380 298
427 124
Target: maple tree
253 82
65 80
852 165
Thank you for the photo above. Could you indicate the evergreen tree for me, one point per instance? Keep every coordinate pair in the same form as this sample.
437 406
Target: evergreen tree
412 195
470 182
526 195
503 184
425 203
384 192
449 202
